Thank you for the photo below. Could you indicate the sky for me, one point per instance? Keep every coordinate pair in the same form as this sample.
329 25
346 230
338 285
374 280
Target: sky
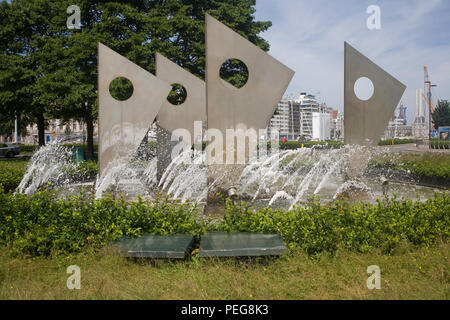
308 36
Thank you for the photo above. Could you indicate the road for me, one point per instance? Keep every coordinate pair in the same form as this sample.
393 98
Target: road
411 148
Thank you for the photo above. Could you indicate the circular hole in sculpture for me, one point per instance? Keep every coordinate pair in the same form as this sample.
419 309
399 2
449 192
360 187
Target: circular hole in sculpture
234 72
363 88
121 88
178 94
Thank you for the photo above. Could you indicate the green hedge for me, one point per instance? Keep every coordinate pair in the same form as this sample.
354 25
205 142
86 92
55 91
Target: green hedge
13 170
440 144
11 173
83 170
28 148
31 148
395 141
80 145
43 225
361 227
293 145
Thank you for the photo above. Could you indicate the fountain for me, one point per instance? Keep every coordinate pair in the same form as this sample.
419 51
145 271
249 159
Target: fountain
241 170
53 165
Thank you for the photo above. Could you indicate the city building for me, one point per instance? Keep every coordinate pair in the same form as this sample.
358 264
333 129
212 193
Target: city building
321 126
279 123
396 129
72 131
397 126
420 125
293 118
305 106
337 125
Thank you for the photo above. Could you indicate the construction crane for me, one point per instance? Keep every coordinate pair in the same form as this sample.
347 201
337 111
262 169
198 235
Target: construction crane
429 98
402 113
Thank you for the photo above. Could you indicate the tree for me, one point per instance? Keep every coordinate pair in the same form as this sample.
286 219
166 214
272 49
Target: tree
441 115
137 30
13 78
27 27
14 94
65 61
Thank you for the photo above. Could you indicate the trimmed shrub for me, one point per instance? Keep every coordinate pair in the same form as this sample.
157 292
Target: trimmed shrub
360 227
440 144
28 148
84 170
44 225
395 141
293 145
31 148
11 173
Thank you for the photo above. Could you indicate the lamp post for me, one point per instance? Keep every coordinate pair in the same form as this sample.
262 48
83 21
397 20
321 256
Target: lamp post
16 140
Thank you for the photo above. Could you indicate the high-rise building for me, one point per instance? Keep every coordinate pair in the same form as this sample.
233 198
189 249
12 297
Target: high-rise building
293 118
279 124
305 106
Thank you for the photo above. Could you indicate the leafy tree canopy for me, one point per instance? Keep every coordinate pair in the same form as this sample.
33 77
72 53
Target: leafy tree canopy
441 115
50 70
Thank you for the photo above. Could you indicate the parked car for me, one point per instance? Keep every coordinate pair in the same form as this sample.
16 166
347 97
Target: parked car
9 150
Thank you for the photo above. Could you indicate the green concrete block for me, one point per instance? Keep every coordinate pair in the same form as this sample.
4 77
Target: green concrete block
148 246
241 244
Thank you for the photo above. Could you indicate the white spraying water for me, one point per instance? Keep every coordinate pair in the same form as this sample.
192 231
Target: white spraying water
280 195
47 165
126 178
185 177
292 175
286 178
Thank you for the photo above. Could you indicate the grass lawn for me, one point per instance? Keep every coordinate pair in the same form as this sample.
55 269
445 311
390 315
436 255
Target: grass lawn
409 273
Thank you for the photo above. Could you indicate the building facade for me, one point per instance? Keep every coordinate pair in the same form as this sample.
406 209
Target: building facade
293 118
321 125
71 132
337 126
420 125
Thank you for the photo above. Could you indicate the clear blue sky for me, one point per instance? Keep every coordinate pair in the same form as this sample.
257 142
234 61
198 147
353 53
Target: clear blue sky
308 36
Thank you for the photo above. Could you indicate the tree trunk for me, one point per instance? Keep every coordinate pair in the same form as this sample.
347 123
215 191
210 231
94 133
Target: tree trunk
90 134
41 129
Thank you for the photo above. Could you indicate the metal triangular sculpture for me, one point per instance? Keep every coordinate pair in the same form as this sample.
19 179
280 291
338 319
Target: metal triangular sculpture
365 121
123 124
178 120
252 105
247 109
182 116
